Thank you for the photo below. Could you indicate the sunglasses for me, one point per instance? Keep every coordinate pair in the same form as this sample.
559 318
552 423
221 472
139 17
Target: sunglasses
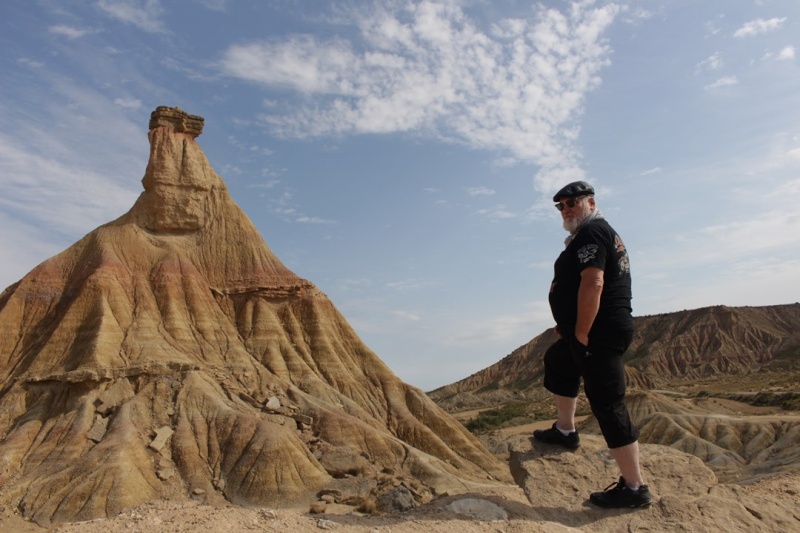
571 202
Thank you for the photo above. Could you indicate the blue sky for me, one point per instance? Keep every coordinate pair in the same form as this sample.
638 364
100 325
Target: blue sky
402 155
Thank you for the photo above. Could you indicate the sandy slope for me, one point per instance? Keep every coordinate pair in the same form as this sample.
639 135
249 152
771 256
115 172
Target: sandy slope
555 485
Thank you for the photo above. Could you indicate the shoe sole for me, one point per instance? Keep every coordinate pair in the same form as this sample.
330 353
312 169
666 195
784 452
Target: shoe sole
567 446
632 506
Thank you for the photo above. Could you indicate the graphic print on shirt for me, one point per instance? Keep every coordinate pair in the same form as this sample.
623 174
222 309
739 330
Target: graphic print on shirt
587 253
622 253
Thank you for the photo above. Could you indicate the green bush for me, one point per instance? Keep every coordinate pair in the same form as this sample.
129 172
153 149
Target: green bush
501 417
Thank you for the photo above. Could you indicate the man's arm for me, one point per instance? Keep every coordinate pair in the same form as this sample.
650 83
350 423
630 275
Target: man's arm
589 292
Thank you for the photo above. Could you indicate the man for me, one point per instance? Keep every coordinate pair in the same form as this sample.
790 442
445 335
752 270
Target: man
590 299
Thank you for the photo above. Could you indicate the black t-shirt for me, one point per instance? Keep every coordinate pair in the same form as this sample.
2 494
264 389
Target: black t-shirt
595 245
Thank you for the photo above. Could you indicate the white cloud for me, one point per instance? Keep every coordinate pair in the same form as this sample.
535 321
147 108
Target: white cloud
282 207
749 261
128 103
654 170
144 14
759 26
413 317
409 284
498 212
300 63
480 191
712 62
712 26
786 53
762 282
68 31
214 5
66 199
501 330
773 232
30 62
726 81
313 220
636 15
426 67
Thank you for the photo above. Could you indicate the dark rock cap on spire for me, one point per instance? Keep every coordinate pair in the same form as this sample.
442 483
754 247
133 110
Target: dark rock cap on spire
176 119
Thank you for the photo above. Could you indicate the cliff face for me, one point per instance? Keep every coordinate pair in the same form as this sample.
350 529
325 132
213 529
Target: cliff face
691 344
170 353
714 340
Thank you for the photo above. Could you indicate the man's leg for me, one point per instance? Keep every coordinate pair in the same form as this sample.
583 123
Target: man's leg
605 389
565 406
630 491
562 378
627 458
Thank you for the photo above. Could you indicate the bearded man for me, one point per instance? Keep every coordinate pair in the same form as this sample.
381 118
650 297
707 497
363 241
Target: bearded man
590 298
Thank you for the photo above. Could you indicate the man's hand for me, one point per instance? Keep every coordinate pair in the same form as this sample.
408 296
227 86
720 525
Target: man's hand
579 349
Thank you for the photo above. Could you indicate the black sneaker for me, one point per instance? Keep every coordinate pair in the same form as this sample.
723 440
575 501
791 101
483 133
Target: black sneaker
554 436
619 496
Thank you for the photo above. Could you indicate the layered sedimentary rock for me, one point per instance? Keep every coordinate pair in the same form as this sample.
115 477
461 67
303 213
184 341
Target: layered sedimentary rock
169 353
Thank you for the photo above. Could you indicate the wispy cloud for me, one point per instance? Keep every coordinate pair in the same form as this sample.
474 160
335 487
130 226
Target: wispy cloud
282 206
68 31
30 63
654 170
58 195
409 284
499 330
769 233
143 14
215 5
712 62
303 219
498 212
426 68
786 53
761 282
759 26
676 267
128 103
726 81
637 14
480 191
413 317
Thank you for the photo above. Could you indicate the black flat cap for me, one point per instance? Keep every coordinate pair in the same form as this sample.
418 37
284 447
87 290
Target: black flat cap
576 188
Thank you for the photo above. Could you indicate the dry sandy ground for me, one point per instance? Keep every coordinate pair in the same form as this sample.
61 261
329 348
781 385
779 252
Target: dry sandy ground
553 510
167 517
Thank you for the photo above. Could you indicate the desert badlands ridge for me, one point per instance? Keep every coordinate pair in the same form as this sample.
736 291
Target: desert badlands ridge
168 373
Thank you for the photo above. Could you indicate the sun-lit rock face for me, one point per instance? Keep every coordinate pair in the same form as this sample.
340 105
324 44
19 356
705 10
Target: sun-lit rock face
170 354
179 184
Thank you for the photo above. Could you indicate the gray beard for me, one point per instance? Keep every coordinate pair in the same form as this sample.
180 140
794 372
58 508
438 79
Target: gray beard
572 225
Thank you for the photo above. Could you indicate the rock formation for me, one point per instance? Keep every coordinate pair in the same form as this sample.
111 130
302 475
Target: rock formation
688 496
170 354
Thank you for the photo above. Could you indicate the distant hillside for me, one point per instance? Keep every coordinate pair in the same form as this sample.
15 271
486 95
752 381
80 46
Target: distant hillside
691 344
